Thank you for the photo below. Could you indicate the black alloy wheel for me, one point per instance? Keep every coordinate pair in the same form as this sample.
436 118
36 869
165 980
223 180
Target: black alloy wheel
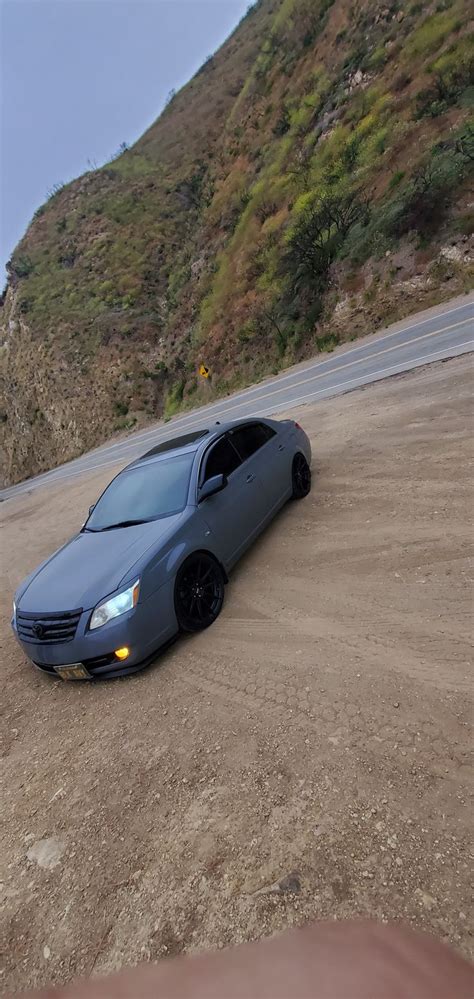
199 592
301 476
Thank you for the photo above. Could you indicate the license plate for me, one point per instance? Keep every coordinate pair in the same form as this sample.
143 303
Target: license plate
75 671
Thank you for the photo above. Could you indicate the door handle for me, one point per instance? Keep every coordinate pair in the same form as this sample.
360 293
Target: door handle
281 447
250 478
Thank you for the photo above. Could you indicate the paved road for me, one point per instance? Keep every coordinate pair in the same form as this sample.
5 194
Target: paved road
430 336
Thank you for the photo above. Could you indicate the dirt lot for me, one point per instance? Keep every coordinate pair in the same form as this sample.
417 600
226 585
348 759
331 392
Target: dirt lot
320 729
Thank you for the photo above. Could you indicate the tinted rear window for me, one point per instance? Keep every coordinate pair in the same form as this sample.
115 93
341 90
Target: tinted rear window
176 442
249 439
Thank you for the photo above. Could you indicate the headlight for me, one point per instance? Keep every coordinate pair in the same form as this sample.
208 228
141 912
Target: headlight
14 611
116 606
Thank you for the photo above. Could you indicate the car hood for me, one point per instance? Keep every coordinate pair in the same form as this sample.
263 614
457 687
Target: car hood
91 566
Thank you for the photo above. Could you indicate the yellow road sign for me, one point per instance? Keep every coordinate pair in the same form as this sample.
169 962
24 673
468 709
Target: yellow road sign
204 371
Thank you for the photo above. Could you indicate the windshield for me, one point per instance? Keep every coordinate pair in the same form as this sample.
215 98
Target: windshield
145 492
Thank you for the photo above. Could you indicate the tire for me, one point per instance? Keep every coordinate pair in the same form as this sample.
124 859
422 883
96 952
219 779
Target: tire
300 476
199 592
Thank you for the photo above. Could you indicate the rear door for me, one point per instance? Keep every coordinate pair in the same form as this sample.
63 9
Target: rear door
266 453
234 515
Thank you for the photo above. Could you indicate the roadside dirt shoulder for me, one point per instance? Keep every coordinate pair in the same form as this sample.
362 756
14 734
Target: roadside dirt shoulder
318 733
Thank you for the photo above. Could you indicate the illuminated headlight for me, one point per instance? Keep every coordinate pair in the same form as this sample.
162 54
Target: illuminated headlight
116 606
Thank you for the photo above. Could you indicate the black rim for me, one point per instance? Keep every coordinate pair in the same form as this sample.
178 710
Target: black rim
301 474
199 592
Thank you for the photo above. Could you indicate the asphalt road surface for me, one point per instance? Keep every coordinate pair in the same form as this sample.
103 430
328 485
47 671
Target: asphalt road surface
443 332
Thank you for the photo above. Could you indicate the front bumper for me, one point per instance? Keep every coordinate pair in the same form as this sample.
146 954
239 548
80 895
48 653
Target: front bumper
144 630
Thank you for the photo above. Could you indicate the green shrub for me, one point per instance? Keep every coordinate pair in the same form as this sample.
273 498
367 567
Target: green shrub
366 240
125 424
121 408
300 118
465 224
281 336
422 204
401 81
350 153
449 84
463 144
377 58
431 34
247 331
22 266
320 228
55 190
328 342
174 399
428 105
396 179
283 123
306 322
466 99
372 148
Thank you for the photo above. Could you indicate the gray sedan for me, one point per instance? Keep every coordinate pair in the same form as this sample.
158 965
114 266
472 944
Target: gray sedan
154 554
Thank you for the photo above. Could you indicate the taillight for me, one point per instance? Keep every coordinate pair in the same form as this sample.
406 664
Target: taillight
298 426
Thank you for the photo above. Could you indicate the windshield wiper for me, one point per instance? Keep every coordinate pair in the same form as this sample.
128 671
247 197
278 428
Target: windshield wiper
123 523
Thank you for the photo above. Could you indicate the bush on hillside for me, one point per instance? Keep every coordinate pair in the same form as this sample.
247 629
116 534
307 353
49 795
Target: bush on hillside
422 204
121 408
447 87
19 267
174 399
322 226
464 144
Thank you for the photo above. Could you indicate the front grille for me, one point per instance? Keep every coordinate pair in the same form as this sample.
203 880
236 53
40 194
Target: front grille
47 628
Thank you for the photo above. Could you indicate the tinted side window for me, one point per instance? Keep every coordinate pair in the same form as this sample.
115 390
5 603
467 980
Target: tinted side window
249 439
268 432
222 460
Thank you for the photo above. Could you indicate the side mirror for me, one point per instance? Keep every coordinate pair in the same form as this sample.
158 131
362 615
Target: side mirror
212 486
91 508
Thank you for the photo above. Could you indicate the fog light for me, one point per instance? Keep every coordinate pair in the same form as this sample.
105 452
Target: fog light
122 653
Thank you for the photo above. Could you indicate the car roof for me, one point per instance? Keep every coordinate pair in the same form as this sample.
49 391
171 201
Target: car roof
191 441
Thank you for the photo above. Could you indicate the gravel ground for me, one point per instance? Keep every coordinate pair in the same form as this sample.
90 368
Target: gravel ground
307 757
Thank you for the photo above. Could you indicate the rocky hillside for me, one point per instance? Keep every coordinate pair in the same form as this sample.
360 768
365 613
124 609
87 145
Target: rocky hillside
312 181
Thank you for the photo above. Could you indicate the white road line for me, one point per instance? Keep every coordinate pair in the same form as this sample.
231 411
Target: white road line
383 372
316 365
342 367
277 389
293 403
223 407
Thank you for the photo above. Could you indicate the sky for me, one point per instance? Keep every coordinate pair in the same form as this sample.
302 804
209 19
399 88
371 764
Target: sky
79 77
